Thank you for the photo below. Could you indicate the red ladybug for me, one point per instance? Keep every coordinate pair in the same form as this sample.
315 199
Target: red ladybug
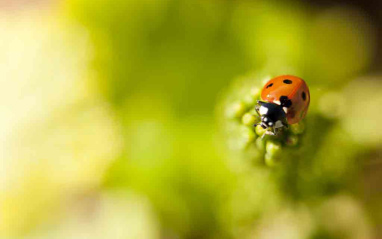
285 100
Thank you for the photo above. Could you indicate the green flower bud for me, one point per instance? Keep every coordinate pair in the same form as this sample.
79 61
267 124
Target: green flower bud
270 160
249 101
248 135
297 128
253 111
254 154
273 148
259 130
251 98
249 119
235 110
260 143
292 140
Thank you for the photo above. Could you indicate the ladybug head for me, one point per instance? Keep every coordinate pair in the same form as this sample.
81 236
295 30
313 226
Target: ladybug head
272 116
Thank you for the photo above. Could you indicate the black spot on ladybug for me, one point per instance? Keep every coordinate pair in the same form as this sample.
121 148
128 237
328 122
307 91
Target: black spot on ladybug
303 95
270 85
285 102
283 98
287 81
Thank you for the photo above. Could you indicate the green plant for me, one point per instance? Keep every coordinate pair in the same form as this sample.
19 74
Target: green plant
307 164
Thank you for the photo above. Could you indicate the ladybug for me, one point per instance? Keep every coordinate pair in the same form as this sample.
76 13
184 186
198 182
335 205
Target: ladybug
285 101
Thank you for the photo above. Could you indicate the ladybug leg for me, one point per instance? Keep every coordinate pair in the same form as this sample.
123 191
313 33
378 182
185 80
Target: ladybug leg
275 131
285 123
267 133
272 132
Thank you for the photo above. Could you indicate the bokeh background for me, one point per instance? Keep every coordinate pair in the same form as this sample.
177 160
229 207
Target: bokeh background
114 123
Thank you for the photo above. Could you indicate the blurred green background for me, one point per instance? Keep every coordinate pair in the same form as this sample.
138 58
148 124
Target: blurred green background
114 119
